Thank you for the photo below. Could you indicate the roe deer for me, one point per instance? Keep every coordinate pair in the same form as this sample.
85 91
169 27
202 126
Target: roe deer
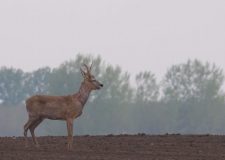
40 107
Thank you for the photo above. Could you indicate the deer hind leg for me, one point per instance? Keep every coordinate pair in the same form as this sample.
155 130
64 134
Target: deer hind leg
26 127
32 128
69 123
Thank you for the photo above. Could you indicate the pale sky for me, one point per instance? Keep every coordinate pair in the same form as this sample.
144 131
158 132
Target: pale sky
135 34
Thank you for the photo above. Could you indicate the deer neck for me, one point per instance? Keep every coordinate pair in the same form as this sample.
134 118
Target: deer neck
84 93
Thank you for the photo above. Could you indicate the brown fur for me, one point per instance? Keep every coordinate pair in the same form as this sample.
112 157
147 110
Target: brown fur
40 107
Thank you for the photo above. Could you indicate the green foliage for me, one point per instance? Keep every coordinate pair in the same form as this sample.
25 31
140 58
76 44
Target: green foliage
11 86
192 80
37 82
147 88
65 79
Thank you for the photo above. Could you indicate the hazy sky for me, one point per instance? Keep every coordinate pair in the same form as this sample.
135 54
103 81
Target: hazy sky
135 34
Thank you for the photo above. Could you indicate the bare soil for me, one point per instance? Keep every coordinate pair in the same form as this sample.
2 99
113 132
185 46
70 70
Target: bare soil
121 147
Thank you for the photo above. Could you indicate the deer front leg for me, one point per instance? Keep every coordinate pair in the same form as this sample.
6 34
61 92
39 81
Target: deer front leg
69 123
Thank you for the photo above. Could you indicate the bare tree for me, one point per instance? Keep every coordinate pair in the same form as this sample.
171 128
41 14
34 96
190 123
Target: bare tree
40 107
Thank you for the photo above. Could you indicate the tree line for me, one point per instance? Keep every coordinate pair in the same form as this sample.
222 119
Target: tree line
189 99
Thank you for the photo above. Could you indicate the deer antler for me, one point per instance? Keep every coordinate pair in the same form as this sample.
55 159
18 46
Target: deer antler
87 68
91 65
82 72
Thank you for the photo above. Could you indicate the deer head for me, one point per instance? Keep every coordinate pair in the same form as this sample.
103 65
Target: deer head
89 79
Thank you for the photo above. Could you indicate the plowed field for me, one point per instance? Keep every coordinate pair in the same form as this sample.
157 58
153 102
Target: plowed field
121 147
